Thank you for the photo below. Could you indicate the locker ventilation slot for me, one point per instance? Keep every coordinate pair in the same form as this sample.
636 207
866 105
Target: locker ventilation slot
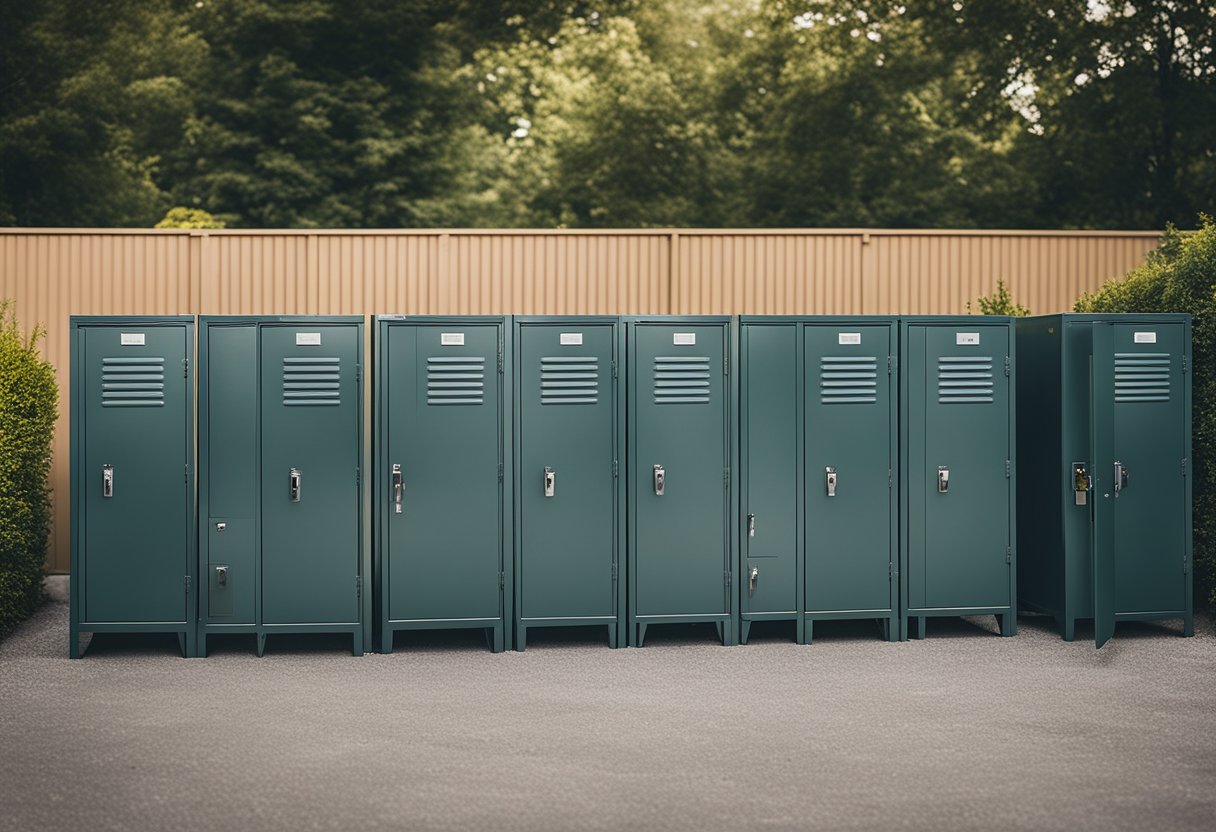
132 382
681 380
848 379
569 380
455 380
1142 376
964 380
312 382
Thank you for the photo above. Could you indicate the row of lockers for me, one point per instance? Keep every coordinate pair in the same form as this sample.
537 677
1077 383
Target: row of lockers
528 472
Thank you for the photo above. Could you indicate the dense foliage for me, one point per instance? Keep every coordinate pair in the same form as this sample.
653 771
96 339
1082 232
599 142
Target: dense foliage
1181 277
28 398
975 113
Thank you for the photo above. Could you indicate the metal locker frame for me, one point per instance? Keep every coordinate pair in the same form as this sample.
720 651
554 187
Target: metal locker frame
502 628
1006 615
727 623
185 630
1057 573
620 388
360 632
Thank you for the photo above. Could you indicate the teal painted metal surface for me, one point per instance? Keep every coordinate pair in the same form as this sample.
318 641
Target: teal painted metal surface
569 431
958 543
133 555
681 433
281 482
818 416
443 480
1109 558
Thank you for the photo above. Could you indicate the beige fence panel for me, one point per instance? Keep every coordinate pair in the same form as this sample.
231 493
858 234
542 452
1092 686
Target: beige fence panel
54 273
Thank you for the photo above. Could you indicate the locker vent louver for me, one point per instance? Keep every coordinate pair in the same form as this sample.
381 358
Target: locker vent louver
681 380
1142 376
455 380
569 380
132 382
312 382
848 379
964 380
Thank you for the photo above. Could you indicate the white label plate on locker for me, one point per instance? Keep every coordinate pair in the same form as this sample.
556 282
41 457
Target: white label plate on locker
451 339
961 338
131 339
848 338
308 339
570 339
1144 338
684 339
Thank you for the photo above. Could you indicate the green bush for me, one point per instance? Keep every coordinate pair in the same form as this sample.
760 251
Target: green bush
1181 277
28 407
189 218
999 302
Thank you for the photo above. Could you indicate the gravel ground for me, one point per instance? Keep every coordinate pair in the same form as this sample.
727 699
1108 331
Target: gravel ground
961 731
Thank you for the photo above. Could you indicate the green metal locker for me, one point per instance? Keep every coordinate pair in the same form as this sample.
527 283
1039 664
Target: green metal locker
569 517
443 483
1104 406
133 556
956 470
281 484
818 416
680 428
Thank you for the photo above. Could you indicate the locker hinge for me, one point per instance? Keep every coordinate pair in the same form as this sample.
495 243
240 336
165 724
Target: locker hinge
890 570
614 369
1008 365
502 579
358 477
1008 554
358 374
359 587
185 368
186 474
726 478
1184 466
890 364
614 470
726 578
1185 362
1008 469
1186 565
890 478
187 584
614 573
500 472
726 359
500 356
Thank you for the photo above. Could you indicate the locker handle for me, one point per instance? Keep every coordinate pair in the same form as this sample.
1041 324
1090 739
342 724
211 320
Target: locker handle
107 480
660 480
751 525
550 481
294 489
1120 477
398 488
752 577
831 480
943 479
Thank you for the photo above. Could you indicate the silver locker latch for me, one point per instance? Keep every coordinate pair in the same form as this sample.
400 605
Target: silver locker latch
398 488
107 480
751 525
943 479
660 480
550 478
294 488
831 479
219 527
221 577
1120 478
1080 483
752 576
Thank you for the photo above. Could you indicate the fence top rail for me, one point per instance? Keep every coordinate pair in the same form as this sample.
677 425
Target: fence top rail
864 233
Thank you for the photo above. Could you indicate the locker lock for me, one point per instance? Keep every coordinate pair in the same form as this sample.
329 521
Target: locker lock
943 479
752 576
221 577
660 480
1080 483
107 480
219 527
751 525
294 481
831 479
550 478
1120 478
398 488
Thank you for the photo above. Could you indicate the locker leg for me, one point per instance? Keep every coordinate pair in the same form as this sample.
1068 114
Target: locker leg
386 640
356 648
1188 626
810 631
890 629
800 630
732 635
1068 628
181 644
74 643
1008 623
200 644
641 635
521 639
745 630
494 636
192 643
261 648
920 627
611 636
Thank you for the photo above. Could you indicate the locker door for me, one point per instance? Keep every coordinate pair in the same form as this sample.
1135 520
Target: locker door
681 414
961 467
135 545
567 441
443 407
849 522
1140 430
310 465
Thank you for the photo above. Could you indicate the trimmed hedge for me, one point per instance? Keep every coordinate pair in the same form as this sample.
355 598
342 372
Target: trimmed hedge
1181 277
28 407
